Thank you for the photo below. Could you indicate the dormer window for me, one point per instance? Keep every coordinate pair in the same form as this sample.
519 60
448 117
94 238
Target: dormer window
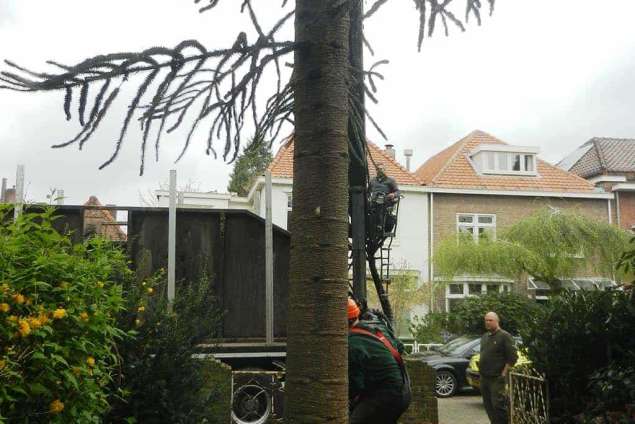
500 159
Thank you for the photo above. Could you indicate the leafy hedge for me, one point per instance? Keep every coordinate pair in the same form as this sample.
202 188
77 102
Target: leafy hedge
161 381
58 309
581 341
467 318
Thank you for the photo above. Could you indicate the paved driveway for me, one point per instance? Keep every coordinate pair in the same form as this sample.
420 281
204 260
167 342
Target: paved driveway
463 409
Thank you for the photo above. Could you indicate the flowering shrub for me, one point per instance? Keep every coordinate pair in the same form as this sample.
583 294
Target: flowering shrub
58 308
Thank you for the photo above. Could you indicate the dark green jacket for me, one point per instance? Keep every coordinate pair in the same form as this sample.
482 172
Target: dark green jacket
371 366
496 350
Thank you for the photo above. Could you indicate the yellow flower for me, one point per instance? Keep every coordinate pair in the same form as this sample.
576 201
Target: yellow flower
4 307
56 407
90 361
77 370
100 284
3 364
150 290
83 316
19 298
4 287
25 328
34 322
12 318
59 313
141 308
137 322
43 318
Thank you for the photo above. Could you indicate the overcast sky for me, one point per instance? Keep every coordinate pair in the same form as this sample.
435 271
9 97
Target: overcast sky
540 73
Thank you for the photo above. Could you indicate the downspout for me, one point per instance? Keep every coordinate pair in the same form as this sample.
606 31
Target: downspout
431 249
610 211
617 208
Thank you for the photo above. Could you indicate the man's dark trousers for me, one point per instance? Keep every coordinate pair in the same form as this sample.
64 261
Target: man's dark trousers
494 399
380 408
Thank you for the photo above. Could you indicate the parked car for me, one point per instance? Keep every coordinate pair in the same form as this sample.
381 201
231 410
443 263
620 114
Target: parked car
450 362
473 375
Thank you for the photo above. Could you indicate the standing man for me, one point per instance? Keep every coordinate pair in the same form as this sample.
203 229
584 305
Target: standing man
498 355
379 388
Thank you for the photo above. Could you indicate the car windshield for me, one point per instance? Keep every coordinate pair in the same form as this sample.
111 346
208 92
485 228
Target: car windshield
455 346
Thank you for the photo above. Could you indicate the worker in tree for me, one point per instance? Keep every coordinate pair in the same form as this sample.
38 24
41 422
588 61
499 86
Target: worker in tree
378 384
384 195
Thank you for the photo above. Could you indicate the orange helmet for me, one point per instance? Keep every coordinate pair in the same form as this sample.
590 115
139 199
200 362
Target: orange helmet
353 309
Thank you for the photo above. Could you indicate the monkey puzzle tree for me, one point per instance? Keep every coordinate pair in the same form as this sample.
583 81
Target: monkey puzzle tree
215 91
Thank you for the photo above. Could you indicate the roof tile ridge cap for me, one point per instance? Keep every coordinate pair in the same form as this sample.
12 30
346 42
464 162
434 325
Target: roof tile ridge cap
581 157
461 144
599 153
385 155
569 173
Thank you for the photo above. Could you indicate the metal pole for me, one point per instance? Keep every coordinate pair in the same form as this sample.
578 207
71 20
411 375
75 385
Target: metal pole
19 192
357 172
268 260
3 190
60 197
171 239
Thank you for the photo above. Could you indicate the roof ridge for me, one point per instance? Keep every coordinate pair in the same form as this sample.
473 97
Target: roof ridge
599 153
283 148
394 161
463 142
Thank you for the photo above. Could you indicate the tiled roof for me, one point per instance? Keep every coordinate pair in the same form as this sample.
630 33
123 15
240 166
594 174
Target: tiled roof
451 169
282 164
603 155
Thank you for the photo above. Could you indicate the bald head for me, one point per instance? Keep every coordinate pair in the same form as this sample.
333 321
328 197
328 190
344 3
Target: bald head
492 322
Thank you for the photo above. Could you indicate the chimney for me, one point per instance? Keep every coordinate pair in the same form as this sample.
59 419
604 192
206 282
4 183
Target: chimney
3 190
390 151
408 154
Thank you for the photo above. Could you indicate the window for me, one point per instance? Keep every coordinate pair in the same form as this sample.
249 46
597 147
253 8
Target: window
457 292
476 226
505 162
289 201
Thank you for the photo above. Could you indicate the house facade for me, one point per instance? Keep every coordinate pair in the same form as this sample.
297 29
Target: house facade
482 185
609 164
411 241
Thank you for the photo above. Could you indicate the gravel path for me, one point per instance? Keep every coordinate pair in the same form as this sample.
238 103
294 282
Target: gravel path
463 409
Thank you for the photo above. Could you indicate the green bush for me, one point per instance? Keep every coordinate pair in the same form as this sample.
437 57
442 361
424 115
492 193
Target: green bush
160 380
58 308
579 334
513 310
612 388
431 327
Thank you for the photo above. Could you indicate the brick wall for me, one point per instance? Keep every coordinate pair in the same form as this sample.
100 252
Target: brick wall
508 210
627 209
423 408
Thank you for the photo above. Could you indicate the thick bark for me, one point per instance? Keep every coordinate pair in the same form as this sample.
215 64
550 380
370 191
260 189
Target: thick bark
317 383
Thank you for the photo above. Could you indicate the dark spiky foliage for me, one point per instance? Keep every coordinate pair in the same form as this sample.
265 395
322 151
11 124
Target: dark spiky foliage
212 90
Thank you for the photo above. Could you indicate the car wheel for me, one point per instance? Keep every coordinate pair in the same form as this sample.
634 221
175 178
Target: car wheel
446 384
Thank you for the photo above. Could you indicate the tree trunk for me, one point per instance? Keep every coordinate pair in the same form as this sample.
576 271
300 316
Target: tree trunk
317 378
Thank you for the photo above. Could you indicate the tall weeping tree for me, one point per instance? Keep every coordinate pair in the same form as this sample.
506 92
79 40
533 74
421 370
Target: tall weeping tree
550 245
214 92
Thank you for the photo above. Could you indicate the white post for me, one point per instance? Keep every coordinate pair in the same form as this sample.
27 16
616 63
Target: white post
171 239
268 261
19 192
60 196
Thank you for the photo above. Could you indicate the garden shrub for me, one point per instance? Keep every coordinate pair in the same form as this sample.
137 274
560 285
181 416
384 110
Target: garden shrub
161 381
579 334
513 310
58 309
431 328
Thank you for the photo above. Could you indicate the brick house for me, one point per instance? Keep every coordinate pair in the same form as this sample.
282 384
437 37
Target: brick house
609 164
480 185
100 220
411 238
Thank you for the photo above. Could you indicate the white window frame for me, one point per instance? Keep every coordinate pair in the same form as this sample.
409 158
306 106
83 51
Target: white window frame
479 160
502 287
475 224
